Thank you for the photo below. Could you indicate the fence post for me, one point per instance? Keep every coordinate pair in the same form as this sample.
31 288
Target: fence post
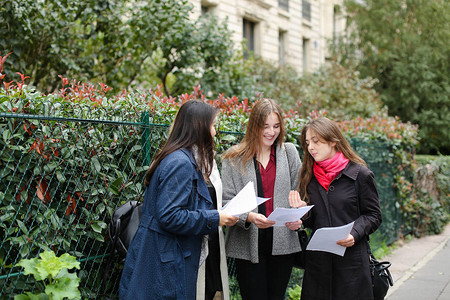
145 138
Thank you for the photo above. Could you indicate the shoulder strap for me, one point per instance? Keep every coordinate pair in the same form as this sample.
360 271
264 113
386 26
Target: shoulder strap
259 186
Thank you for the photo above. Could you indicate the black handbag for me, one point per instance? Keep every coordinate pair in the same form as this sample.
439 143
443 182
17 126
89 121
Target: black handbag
300 257
381 277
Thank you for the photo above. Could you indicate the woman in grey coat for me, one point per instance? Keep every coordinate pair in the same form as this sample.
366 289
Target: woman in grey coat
263 254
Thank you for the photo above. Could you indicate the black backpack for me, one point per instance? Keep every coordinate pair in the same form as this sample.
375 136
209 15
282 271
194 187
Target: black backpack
123 225
121 230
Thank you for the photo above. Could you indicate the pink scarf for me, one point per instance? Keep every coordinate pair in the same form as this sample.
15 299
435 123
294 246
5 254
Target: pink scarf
325 171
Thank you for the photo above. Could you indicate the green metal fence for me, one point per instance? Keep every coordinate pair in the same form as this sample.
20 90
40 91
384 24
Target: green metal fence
61 178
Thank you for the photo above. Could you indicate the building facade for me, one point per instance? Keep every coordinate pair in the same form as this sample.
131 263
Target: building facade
293 32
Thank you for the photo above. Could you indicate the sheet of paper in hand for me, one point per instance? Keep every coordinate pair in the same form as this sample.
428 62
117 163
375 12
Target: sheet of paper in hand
324 239
282 215
245 201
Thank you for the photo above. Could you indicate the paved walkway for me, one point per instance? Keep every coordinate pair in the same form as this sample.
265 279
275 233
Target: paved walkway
421 269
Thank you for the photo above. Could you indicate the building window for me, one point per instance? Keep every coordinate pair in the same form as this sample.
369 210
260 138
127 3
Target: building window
249 36
284 4
306 10
306 55
336 17
206 10
282 48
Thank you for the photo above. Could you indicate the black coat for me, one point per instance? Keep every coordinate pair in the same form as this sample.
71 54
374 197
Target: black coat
330 276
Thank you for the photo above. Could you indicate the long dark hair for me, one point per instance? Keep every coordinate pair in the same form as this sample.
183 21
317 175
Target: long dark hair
251 142
328 132
191 129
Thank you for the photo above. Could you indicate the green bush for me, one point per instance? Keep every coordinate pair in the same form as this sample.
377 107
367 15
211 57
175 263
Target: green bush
429 209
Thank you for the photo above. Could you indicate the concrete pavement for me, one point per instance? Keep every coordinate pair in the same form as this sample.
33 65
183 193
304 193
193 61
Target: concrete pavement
421 269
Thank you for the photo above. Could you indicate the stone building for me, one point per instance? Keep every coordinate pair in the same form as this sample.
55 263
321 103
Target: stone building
293 32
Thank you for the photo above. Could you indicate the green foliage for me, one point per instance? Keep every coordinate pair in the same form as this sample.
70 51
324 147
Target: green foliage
341 91
123 43
428 210
295 292
404 46
53 272
294 289
48 38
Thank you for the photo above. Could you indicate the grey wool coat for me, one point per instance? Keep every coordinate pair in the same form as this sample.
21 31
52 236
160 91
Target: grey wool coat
241 240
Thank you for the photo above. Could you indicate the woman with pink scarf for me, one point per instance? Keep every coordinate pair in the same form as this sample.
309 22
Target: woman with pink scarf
342 189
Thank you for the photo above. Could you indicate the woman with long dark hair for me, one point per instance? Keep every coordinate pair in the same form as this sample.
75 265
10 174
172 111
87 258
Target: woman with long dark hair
163 258
342 189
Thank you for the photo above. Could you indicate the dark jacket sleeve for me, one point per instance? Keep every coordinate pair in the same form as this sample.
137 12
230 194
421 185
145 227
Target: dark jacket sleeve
369 205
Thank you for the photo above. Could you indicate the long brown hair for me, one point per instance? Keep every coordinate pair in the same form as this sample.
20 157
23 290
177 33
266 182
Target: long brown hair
251 143
191 129
328 132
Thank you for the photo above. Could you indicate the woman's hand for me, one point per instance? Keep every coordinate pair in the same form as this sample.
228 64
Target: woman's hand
227 220
259 220
295 200
347 242
294 225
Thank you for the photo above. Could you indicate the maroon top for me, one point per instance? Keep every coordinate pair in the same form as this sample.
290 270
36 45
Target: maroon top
268 181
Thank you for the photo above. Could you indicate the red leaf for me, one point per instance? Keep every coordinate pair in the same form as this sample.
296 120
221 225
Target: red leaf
72 206
43 192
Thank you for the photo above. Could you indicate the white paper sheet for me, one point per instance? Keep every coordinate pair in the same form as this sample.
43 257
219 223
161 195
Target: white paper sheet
324 239
245 201
282 215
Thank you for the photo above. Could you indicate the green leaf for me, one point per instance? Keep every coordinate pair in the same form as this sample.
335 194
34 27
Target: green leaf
25 250
56 222
96 164
22 227
30 267
96 228
31 296
60 176
49 167
6 135
69 261
115 186
65 286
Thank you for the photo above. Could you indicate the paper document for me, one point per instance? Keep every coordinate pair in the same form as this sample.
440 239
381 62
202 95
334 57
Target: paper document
282 215
324 239
245 201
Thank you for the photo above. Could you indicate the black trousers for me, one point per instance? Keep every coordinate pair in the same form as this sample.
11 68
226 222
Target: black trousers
268 279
